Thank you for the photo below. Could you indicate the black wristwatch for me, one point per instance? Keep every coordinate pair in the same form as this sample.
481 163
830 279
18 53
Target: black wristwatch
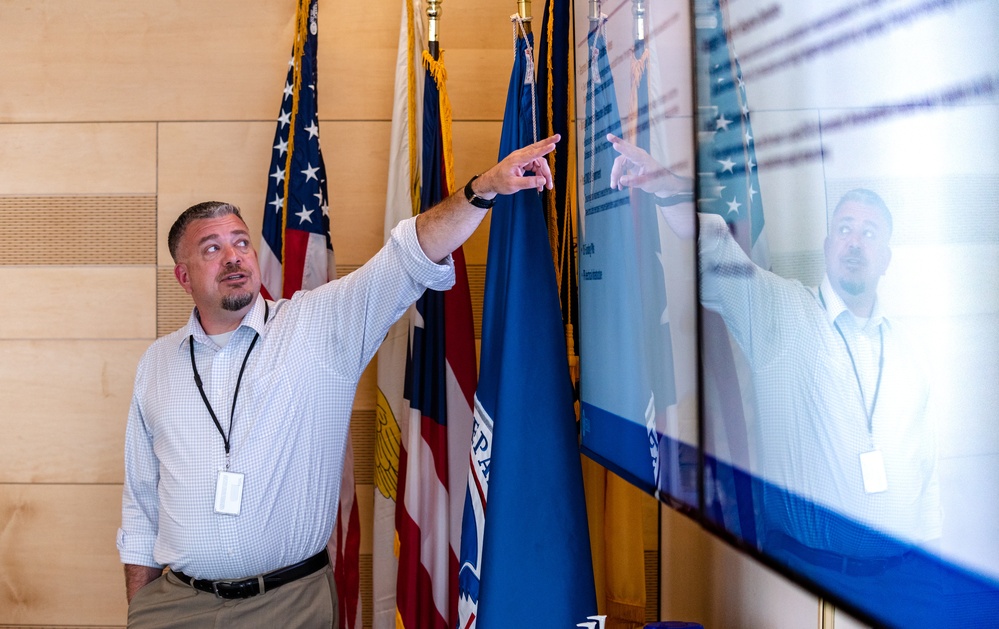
477 201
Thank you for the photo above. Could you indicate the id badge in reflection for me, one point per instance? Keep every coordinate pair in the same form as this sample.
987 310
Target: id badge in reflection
872 466
229 493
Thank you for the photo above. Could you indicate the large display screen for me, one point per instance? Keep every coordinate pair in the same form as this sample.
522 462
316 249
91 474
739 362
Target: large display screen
789 313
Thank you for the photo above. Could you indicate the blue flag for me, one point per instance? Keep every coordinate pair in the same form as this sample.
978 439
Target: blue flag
535 567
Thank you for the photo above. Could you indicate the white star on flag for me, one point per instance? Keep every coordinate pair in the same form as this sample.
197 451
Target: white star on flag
305 216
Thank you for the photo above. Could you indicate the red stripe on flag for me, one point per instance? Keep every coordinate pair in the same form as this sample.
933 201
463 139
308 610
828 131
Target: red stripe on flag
459 344
414 590
347 573
435 435
296 244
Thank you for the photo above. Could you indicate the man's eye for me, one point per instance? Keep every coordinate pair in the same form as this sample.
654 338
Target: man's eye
844 230
211 248
869 234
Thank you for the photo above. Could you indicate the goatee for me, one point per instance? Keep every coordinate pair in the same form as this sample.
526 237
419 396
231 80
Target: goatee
853 288
236 303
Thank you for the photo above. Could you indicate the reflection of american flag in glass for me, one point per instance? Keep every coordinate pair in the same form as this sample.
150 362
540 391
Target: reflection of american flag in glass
728 181
296 251
728 185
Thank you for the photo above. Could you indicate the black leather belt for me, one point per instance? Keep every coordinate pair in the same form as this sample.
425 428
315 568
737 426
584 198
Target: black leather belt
252 586
844 564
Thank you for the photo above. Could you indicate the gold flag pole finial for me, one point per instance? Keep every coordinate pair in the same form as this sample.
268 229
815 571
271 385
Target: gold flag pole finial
524 14
638 11
594 10
433 37
524 9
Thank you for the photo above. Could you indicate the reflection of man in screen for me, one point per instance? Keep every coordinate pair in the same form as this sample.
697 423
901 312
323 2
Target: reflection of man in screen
841 426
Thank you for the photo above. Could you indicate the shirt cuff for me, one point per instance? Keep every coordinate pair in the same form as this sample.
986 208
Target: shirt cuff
132 549
712 231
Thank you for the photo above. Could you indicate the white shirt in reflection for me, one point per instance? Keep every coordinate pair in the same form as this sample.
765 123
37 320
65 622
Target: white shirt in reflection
811 425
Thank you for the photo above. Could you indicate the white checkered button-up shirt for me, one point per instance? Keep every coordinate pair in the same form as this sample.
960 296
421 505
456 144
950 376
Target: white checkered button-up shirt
289 428
811 425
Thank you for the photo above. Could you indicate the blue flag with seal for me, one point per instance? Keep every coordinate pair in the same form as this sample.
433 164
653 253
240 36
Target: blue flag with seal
528 562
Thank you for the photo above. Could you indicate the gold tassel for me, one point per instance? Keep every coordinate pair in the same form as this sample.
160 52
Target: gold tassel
437 70
414 169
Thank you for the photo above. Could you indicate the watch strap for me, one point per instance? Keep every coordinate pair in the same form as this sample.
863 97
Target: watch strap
475 200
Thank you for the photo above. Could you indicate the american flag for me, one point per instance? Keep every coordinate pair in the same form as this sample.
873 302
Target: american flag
296 253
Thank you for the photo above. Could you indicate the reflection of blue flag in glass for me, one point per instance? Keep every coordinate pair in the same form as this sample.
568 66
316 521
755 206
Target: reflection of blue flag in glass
652 277
615 383
535 565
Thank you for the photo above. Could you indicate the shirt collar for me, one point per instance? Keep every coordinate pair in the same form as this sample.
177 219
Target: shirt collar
835 307
254 319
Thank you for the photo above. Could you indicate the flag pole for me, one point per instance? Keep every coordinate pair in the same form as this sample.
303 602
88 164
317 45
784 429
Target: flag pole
640 32
433 38
524 12
594 10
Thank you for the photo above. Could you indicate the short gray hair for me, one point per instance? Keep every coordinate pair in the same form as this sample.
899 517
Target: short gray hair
208 209
869 198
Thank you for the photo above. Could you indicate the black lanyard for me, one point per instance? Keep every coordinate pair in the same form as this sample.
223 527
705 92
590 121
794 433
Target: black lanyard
856 373
235 394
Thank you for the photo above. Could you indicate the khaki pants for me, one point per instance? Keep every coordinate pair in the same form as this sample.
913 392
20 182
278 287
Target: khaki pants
166 603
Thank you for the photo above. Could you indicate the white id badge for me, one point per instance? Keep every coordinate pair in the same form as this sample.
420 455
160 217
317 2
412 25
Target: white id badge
229 493
872 465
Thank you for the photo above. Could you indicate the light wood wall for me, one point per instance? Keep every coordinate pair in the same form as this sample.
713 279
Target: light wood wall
114 117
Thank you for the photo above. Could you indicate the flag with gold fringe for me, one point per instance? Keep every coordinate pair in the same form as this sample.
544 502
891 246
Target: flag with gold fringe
296 253
440 381
525 554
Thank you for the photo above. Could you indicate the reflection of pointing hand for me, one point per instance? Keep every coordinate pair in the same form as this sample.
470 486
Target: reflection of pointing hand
631 166
635 168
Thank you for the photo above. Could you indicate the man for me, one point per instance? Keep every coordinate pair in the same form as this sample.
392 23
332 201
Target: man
840 401
238 424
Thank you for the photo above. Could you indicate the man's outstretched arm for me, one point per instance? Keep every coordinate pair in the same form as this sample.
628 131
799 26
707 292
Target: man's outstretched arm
447 225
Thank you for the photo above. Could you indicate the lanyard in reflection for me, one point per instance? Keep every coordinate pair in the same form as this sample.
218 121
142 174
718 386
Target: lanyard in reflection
856 372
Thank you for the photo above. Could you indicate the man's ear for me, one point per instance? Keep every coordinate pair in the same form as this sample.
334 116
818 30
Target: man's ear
183 278
887 260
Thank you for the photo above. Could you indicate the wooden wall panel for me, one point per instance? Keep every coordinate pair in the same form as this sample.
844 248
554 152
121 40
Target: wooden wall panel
64 409
474 72
356 155
153 60
57 549
76 302
70 229
213 161
49 159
